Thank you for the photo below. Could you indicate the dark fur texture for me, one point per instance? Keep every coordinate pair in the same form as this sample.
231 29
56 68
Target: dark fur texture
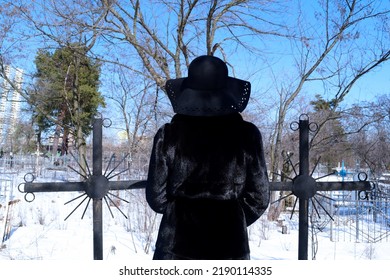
208 178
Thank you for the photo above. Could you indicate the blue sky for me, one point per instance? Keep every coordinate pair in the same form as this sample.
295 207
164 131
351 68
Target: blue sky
275 57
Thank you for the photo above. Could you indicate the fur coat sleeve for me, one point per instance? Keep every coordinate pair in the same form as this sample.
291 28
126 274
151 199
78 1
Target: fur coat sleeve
211 171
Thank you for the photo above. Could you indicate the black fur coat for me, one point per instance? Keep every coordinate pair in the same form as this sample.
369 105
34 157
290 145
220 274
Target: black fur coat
208 178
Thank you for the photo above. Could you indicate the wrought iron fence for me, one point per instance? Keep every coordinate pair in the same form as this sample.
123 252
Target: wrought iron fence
357 216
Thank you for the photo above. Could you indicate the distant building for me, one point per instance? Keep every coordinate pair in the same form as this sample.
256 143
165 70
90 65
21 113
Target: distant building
9 104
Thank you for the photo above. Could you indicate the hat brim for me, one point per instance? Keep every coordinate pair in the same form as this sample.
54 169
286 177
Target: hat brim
232 98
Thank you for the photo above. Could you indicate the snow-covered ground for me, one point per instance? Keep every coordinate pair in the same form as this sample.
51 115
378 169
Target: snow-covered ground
40 233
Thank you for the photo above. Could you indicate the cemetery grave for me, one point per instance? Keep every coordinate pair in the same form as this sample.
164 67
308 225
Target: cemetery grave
317 199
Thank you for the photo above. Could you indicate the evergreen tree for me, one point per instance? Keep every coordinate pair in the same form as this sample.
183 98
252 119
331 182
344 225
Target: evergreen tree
66 94
329 141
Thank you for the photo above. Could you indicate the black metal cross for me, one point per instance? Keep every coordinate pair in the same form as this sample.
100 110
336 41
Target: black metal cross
96 187
305 187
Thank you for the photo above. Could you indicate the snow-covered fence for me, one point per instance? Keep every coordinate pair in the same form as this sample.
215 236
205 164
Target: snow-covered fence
18 162
356 216
7 203
6 186
363 219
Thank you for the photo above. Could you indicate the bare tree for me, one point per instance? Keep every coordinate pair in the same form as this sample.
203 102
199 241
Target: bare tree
368 127
336 49
53 25
332 44
11 44
155 39
136 109
329 55
166 35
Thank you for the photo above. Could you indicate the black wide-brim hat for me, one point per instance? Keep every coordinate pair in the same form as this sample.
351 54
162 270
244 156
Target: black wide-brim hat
208 90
